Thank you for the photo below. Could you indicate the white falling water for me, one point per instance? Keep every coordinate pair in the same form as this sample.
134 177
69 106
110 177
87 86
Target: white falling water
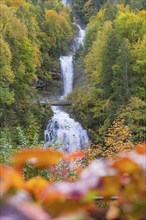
67 73
62 131
64 2
79 40
65 133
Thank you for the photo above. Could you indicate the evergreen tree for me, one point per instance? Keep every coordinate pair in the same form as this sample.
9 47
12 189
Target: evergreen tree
109 58
121 83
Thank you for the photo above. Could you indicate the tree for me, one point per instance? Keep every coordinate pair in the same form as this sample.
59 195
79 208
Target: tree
121 82
59 30
108 60
135 118
130 25
6 77
117 139
94 59
138 54
114 67
95 24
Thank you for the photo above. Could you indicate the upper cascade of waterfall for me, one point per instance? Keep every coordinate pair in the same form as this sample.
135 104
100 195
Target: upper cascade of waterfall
66 63
79 40
62 131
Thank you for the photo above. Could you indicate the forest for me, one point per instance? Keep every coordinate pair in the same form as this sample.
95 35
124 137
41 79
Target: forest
104 180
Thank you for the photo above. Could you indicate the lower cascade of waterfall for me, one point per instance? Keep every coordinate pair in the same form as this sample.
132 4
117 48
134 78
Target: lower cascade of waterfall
63 132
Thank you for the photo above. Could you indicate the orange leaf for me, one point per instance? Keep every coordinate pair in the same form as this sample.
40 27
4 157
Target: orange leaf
37 157
106 184
52 195
36 186
64 206
75 155
10 178
126 165
78 170
141 148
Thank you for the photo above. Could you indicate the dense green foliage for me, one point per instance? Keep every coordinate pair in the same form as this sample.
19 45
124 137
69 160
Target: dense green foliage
32 37
85 9
114 58
34 34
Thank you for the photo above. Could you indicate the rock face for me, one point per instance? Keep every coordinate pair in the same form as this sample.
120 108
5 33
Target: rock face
39 84
50 89
56 76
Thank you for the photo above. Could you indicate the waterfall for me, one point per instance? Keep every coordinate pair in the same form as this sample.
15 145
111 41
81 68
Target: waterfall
64 2
79 40
67 73
63 132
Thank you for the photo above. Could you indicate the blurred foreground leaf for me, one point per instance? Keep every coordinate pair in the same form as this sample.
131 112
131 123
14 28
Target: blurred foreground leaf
37 157
126 165
10 179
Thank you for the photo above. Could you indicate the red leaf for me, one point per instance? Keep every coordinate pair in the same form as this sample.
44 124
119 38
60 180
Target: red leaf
75 155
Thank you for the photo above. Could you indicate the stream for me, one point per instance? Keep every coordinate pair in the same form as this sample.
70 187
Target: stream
63 132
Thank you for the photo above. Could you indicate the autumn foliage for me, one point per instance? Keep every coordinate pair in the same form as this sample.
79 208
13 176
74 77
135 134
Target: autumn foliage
121 179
